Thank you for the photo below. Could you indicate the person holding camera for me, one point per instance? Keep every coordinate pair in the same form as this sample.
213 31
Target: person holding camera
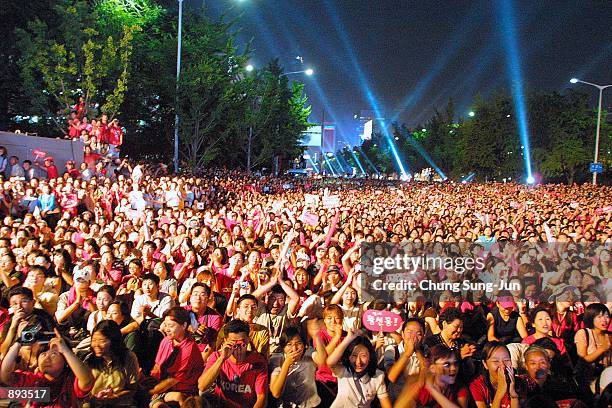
241 376
59 369
24 316
205 321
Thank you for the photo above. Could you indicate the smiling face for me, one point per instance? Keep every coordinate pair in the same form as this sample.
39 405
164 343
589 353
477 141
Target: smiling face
100 344
498 358
453 329
360 358
173 330
445 370
538 366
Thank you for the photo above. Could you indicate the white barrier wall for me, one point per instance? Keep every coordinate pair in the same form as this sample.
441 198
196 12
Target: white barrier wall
62 150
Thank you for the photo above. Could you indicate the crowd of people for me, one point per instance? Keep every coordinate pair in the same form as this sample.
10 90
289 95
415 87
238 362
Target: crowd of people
99 135
130 287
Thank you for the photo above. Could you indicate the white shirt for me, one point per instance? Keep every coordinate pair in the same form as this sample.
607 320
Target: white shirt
163 303
358 392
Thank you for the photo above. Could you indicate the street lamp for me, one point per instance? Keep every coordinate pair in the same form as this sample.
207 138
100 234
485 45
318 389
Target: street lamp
249 68
308 72
178 74
601 88
471 114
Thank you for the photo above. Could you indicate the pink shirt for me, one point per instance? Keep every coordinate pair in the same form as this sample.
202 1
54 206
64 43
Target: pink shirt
239 384
187 366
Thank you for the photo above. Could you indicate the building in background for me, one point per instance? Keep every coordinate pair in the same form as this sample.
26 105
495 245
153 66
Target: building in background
367 124
328 142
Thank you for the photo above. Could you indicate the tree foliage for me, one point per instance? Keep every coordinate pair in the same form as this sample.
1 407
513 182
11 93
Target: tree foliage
74 58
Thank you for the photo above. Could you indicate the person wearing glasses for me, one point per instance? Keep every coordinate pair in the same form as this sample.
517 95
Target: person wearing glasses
240 375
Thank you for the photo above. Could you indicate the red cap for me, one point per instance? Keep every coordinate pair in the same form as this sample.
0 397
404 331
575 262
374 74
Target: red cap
49 158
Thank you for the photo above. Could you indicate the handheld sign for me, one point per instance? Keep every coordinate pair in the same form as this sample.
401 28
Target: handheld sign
331 202
311 200
381 321
39 154
310 219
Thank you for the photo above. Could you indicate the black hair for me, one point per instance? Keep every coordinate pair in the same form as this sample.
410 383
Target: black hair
246 296
420 321
118 350
365 342
125 310
548 344
201 285
178 314
591 312
538 309
108 289
151 277
289 333
236 326
450 314
20 290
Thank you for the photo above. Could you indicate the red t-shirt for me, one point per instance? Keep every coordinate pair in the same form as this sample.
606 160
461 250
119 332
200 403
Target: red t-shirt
114 135
239 383
558 342
480 392
425 399
52 172
91 159
64 391
103 133
186 368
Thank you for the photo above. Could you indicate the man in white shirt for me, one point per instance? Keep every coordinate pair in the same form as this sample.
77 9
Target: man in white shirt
152 303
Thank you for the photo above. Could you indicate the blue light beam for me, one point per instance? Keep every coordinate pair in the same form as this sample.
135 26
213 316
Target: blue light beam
515 74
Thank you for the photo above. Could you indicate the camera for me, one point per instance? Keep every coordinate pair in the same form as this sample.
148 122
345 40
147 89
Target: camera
34 334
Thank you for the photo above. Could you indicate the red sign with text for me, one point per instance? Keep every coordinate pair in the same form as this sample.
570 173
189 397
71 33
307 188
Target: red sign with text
381 321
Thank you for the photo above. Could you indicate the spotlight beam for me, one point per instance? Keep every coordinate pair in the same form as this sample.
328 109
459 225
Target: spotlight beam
363 82
515 74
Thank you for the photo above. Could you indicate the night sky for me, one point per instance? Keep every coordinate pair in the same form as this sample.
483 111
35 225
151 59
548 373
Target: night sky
414 55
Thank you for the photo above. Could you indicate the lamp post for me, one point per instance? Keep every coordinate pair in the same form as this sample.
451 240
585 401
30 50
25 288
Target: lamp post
308 72
178 75
601 88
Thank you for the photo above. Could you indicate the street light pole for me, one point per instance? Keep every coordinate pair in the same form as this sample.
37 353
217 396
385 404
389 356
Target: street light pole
601 88
178 75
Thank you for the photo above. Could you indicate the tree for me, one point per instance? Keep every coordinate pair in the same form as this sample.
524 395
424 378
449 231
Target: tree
58 64
567 155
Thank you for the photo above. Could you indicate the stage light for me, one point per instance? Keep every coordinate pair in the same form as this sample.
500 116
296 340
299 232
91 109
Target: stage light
472 114
515 75
309 71
574 80
530 180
